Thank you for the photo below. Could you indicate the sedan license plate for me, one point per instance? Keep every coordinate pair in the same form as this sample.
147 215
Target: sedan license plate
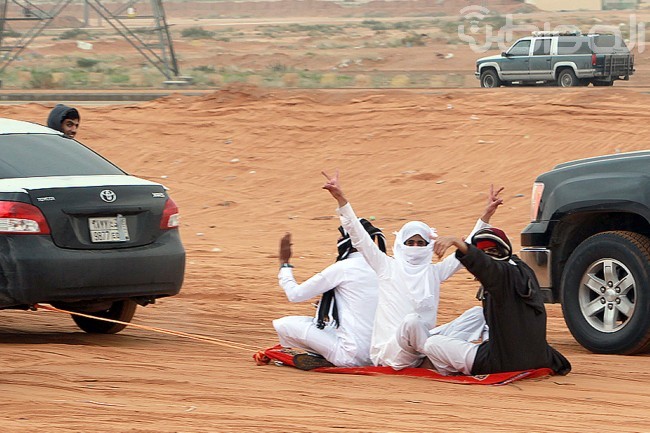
108 229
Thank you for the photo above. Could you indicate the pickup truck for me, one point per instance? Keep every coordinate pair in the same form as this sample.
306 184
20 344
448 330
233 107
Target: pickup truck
589 244
567 59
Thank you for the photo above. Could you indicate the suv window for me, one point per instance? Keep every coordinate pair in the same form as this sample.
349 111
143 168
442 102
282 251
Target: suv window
32 155
573 46
606 44
521 48
542 47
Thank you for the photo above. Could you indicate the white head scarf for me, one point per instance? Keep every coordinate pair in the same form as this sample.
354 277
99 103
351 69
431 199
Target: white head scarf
414 257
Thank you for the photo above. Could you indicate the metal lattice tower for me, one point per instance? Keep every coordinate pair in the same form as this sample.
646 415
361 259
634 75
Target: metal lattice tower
158 51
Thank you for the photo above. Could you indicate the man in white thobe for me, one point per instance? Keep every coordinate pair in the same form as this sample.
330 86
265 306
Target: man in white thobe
344 342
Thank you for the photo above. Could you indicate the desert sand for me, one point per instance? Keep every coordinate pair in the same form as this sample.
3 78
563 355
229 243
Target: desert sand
244 164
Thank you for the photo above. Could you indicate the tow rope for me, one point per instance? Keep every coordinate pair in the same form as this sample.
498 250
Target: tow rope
225 343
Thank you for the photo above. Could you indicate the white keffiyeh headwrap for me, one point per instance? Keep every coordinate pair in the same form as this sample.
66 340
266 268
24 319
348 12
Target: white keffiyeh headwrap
414 257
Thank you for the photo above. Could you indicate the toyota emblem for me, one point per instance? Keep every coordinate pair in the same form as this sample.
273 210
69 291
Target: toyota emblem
108 196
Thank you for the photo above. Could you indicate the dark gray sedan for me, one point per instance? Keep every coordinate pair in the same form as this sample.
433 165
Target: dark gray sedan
80 234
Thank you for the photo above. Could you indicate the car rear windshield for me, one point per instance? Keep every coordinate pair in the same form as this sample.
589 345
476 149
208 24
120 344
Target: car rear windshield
34 155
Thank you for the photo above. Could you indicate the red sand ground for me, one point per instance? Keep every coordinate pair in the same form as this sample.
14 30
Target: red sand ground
244 167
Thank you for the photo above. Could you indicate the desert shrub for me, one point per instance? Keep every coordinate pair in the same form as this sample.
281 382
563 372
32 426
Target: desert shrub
205 68
196 33
400 81
119 78
11 34
215 80
291 79
328 80
404 25
363 80
414 40
78 77
335 80
86 63
144 31
74 34
279 68
375 25
41 79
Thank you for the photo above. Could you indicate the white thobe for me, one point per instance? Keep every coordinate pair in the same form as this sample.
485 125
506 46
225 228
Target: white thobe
400 294
356 291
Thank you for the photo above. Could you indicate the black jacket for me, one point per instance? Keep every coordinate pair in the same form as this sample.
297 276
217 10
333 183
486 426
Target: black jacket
514 310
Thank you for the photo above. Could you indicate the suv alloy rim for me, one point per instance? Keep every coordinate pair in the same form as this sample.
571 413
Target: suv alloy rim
607 295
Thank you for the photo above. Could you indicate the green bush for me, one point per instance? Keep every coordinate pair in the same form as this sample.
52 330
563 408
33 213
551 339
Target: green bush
11 34
279 68
414 40
375 25
86 63
41 79
205 68
74 34
119 78
197 33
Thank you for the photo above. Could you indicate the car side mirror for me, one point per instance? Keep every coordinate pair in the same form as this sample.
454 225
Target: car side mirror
504 54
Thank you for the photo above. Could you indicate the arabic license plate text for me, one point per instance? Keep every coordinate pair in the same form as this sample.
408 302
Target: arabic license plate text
108 229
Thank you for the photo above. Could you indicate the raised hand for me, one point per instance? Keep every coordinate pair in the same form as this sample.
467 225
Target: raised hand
494 201
334 187
443 243
285 248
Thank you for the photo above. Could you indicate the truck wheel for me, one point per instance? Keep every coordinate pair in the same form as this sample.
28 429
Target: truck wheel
606 293
567 78
490 79
119 310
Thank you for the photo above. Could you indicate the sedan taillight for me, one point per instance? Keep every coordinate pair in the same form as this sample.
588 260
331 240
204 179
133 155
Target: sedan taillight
22 218
170 217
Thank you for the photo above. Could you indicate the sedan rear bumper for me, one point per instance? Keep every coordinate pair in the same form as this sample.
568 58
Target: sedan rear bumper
33 270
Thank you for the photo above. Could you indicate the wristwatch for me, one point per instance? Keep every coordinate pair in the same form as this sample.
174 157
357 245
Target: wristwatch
286 265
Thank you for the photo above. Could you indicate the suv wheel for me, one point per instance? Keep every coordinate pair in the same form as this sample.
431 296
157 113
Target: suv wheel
119 310
490 79
567 78
606 293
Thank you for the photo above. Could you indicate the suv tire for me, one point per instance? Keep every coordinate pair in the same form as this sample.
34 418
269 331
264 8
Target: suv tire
606 293
489 79
567 78
119 310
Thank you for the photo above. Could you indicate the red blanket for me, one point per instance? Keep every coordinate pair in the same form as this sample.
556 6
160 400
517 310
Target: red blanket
284 356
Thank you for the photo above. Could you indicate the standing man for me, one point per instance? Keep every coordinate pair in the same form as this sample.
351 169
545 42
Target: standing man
65 119
513 306
341 331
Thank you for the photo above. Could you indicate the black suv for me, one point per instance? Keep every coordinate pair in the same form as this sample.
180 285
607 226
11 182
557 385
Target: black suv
79 233
589 243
